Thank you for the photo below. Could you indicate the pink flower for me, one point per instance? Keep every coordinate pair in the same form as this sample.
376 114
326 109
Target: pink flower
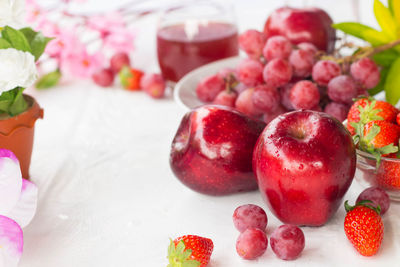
65 42
33 11
120 40
47 27
107 23
18 200
82 64
11 242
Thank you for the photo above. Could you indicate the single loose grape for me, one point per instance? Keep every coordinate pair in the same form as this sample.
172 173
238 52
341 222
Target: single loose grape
249 216
378 196
251 244
287 242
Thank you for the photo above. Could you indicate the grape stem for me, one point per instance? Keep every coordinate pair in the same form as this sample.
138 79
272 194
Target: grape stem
363 52
378 49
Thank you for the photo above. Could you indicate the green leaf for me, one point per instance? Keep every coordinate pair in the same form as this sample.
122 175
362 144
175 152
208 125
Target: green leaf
16 38
363 32
4 44
373 132
124 75
388 149
385 20
392 83
6 99
191 263
369 113
180 247
171 247
186 254
179 257
377 156
12 102
375 38
386 58
29 33
19 104
381 86
5 105
37 41
49 80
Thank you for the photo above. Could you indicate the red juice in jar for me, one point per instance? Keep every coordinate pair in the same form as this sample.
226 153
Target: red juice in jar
181 49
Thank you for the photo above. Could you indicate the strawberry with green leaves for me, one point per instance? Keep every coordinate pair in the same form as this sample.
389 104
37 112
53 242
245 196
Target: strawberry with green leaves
130 78
190 251
380 138
365 110
364 227
372 124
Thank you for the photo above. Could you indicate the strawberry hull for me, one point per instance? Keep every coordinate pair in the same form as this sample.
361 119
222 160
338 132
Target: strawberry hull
212 150
304 162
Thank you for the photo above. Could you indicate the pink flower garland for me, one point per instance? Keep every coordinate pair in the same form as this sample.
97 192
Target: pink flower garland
71 52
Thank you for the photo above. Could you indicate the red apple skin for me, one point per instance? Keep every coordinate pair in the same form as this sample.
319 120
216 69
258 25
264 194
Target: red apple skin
212 150
304 162
311 25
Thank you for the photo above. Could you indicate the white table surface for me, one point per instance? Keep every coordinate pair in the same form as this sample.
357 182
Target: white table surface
107 196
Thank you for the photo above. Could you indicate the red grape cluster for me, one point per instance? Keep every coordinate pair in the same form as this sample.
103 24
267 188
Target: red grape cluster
279 76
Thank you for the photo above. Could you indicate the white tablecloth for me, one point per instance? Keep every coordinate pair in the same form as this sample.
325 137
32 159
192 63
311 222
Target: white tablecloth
107 196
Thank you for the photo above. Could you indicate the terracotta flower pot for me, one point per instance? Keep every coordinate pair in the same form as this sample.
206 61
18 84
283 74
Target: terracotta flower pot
16 133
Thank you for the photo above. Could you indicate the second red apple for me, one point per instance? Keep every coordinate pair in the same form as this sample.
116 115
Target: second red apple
304 162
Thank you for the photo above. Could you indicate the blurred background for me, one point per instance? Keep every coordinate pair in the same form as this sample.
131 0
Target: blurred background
145 14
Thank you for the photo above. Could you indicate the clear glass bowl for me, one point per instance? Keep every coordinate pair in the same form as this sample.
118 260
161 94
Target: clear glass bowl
386 176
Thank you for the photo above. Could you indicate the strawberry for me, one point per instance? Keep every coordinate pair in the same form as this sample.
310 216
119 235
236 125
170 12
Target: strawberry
130 78
388 174
382 135
364 227
190 251
365 110
378 138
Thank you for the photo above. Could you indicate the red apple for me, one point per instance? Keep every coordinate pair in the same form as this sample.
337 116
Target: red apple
311 25
212 150
304 162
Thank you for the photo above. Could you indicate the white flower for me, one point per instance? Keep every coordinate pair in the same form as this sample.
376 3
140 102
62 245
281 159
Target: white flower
17 68
12 13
